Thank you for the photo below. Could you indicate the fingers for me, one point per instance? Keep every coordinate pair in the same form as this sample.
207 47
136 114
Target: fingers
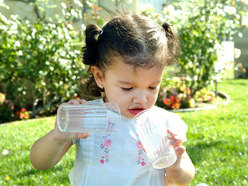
83 135
180 150
82 101
73 102
170 133
77 102
176 142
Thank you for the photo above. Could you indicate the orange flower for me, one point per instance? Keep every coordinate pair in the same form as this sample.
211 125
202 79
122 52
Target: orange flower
172 102
75 96
24 114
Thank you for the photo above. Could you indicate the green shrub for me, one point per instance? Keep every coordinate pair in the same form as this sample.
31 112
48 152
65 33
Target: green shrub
40 61
6 109
202 26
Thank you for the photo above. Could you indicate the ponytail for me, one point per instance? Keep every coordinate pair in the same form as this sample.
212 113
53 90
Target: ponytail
90 57
90 51
172 43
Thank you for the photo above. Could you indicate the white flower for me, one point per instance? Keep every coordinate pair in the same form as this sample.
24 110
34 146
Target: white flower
78 3
4 19
83 27
33 33
3 27
237 53
230 9
170 8
70 26
17 44
5 152
63 5
20 53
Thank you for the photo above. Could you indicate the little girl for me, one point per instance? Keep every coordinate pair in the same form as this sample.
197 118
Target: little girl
126 59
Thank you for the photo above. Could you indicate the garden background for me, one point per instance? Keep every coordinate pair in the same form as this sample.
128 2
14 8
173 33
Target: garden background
40 67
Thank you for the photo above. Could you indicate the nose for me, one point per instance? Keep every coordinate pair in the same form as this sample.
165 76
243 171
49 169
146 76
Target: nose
140 97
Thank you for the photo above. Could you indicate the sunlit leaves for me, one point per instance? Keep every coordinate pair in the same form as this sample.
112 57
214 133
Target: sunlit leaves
202 26
45 55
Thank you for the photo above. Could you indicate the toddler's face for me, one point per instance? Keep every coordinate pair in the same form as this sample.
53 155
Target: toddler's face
134 90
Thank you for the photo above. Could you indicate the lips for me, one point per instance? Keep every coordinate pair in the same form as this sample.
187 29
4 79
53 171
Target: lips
135 111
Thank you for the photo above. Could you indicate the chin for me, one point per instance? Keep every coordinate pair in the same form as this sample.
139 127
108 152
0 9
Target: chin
129 115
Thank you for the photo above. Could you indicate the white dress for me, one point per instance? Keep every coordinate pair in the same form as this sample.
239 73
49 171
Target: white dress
118 159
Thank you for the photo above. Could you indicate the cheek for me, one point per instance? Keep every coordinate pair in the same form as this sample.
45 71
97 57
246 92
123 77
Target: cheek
114 95
153 98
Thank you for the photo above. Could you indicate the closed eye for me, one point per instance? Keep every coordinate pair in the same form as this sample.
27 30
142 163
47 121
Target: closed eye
153 88
127 89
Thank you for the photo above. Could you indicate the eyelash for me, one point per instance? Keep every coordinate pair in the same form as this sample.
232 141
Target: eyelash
127 89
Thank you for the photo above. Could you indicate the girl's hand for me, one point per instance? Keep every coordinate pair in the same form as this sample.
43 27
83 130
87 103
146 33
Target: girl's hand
182 171
63 137
177 144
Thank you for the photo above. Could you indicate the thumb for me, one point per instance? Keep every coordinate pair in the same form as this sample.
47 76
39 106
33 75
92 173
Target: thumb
180 150
83 135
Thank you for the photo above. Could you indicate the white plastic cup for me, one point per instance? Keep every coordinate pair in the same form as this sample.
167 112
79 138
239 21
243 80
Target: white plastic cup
92 118
153 135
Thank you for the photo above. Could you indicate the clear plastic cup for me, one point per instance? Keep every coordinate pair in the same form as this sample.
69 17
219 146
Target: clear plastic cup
152 132
92 118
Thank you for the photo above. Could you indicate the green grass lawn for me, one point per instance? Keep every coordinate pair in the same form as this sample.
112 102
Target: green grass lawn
217 143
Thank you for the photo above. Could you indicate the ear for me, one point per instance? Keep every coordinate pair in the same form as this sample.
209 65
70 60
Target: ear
98 75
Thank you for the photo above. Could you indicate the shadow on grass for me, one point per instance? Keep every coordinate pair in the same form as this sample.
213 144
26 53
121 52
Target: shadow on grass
237 82
202 150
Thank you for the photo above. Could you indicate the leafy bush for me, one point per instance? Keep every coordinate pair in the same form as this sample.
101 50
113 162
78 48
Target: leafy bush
6 109
40 61
202 26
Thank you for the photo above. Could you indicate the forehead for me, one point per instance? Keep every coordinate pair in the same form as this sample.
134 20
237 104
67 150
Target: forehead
134 64
121 70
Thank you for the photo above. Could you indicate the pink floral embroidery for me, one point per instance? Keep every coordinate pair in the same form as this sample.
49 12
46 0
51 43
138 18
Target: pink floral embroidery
111 126
143 163
140 160
108 142
105 147
139 145
102 161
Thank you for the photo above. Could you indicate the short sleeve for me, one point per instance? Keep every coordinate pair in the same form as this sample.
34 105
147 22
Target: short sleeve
177 125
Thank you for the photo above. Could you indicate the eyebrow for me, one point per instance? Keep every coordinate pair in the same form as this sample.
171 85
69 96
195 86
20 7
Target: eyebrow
129 83
124 82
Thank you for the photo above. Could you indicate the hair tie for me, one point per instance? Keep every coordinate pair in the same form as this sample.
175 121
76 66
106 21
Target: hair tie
101 32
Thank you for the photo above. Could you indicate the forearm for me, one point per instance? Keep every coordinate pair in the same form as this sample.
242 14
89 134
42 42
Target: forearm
46 152
182 173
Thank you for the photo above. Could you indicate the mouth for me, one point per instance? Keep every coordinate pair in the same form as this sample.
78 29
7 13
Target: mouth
135 111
